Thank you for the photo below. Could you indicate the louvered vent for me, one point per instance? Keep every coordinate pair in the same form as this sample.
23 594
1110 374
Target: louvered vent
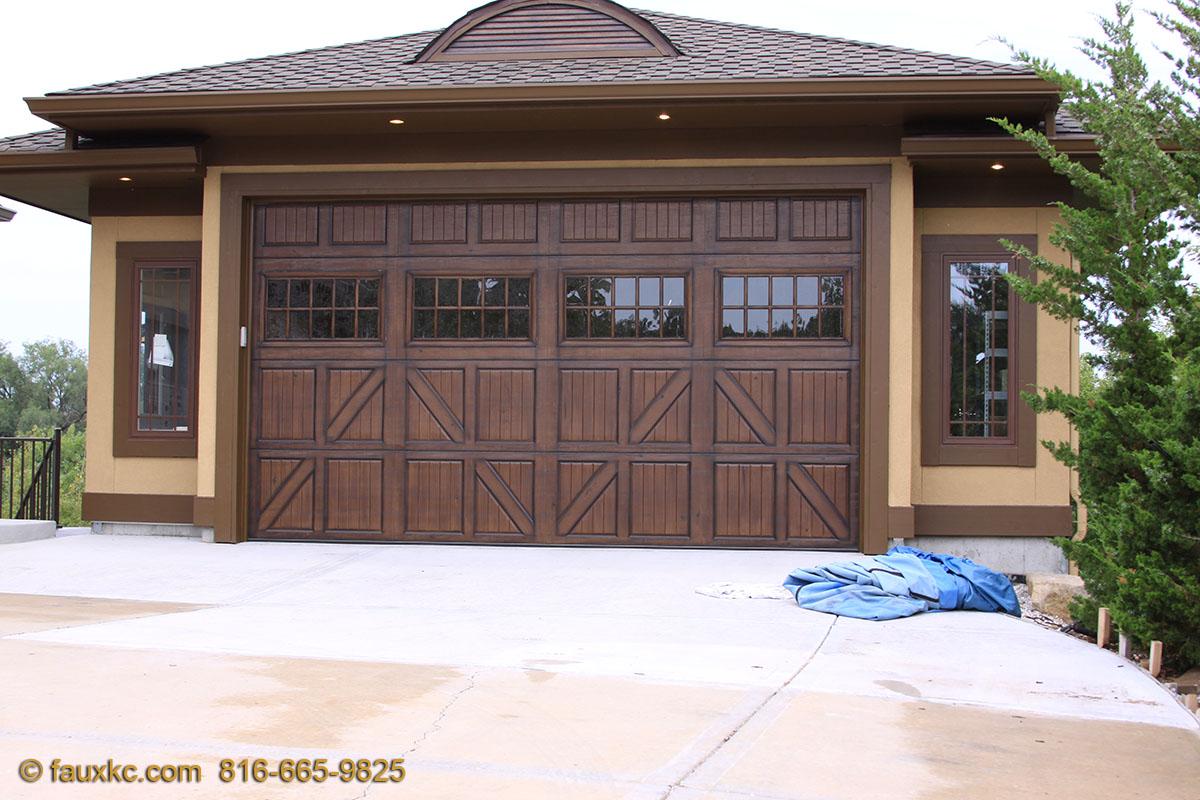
546 30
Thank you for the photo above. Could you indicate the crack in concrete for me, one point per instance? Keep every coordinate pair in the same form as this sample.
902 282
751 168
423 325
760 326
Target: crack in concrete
754 712
436 725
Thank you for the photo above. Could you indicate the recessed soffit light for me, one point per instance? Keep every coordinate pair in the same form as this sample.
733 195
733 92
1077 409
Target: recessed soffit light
125 179
997 166
664 116
396 121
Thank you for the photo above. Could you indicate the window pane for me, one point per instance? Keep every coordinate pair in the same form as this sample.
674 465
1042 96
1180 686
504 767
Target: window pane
978 356
757 322
447 324
673 323
343 324
577 323
276 324
648 291
368 324
759 291
423 292
833 291
601 291
733 323
298 325
602 322
368 293
649 323
472 293
299 294
806 323
518 292
322 294
164 349
447 291
494 326
277 294
626 323
807 290
831 323
518 323
781 290
494 292
344 293
626 291
673 292
733 291
423 325
472 323
322 324
577 293
781 323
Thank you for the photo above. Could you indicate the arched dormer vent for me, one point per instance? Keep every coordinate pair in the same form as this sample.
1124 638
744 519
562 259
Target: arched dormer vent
538 29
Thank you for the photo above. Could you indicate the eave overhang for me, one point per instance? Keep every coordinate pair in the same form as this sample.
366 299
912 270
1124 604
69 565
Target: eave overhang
943 147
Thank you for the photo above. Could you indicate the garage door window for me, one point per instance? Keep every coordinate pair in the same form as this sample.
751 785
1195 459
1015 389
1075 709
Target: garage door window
463 307
626 307
783 306
312 308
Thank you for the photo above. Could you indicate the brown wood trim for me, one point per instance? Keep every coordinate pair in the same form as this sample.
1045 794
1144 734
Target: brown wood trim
959 146
155 508
204 511
994 521
1019 449
145 201
156 159
238 190
127 441
902 522
63 107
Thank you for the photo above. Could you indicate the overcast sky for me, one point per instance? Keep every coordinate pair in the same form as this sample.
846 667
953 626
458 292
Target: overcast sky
43 48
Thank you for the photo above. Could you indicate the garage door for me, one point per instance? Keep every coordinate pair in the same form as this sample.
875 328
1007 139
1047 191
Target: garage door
679 371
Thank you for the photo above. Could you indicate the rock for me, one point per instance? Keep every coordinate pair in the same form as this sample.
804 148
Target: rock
1052 593
1189 682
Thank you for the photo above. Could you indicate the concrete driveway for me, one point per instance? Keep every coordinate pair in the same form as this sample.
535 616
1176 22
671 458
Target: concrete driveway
546 673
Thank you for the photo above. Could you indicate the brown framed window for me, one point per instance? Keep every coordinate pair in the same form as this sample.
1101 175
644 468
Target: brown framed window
978 354
470 307
783 306
625 307
322 308
157 349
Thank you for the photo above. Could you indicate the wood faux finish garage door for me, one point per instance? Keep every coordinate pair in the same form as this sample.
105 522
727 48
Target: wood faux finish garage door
679 371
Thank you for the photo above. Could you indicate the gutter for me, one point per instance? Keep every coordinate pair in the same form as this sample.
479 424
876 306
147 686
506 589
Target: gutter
56 107
967 146
156 159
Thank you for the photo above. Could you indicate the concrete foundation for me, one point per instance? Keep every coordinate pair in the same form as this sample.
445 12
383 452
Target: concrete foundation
1014 555
149 529
25 530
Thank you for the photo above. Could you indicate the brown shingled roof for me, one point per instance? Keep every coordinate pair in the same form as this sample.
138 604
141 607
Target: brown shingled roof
712 51
40 142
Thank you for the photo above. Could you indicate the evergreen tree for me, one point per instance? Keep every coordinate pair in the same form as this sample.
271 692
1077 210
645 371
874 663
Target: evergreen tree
1138 455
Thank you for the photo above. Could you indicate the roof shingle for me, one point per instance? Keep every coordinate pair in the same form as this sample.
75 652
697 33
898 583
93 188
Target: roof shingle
712 51
49 141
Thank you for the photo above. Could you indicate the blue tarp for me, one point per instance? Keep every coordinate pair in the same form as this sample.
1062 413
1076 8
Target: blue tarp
904 582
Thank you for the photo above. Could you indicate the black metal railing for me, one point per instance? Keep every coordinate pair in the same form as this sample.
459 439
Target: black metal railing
30 476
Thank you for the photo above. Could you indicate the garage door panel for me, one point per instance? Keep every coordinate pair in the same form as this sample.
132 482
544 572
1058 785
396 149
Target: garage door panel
745 406
356 406
660 406
588 410
744 500
287 405
818 501
435 405
354 493
660 499
587 498
505 404
287 495
504 493
819 406
434 496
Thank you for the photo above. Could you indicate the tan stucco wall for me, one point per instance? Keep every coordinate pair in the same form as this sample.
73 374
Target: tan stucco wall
104 472
1049 483
903 417
206 405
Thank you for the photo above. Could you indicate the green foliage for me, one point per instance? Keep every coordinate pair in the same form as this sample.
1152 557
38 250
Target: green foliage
71 487
43 388
1138 455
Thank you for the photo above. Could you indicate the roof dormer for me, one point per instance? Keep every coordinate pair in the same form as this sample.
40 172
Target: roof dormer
548 29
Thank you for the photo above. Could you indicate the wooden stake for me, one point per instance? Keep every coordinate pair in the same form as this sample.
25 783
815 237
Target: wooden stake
1192 702
1103 628
1156 653
1124 646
